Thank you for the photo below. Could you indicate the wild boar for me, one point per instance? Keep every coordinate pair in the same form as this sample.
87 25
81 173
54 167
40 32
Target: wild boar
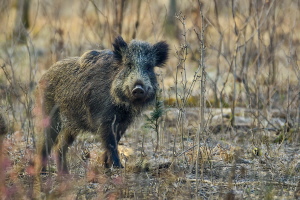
100 92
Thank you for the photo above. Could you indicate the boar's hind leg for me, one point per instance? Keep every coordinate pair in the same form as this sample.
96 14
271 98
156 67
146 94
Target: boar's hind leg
64 139
48 136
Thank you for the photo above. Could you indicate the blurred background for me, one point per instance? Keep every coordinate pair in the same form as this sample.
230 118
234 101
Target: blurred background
250 44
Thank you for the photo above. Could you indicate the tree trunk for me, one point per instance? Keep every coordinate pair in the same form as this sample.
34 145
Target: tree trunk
21 21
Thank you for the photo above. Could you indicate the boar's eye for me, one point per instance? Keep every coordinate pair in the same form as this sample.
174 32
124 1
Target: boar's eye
129 65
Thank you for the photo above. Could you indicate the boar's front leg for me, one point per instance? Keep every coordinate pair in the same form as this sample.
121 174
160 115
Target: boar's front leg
110 144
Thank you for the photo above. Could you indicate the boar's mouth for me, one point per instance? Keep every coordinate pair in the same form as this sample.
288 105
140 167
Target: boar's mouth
142 101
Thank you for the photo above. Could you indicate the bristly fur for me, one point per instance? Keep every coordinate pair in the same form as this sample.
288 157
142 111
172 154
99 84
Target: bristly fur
94 93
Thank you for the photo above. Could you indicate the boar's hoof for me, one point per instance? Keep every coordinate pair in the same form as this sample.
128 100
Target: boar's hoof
111 161
138 92
118 165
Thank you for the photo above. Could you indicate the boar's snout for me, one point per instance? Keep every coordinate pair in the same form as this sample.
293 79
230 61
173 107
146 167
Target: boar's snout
138 92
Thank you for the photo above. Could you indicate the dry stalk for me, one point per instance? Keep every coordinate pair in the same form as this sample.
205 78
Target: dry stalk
181 76
202 128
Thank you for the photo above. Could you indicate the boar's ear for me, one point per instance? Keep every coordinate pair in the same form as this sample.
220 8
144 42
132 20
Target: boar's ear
161 52
119 47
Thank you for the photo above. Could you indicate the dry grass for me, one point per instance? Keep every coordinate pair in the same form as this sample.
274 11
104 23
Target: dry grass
247 146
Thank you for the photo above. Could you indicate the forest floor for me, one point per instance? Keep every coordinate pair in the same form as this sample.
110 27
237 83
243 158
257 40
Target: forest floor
237 162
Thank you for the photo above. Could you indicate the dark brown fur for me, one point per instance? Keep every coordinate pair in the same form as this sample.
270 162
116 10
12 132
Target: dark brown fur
3 128
100 92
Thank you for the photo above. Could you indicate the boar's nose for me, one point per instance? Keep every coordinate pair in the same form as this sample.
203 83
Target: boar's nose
138 92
